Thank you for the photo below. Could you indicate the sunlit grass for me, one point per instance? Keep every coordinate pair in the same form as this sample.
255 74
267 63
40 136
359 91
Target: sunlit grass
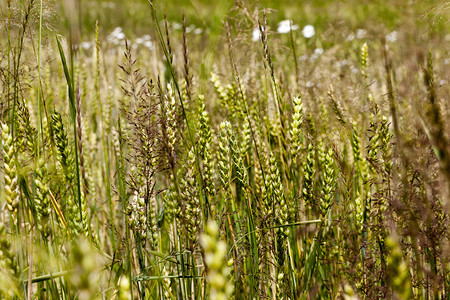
184 150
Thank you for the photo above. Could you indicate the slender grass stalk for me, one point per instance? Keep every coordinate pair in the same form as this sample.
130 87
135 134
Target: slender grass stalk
316 198
8 52
105 143
204 198
120 164
70 85
40 127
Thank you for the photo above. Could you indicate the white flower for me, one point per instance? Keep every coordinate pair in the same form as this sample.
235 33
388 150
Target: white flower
350 37
116 36
303 57
392 37
118 33
190 28
285 26
308 31
149 45
86 45
361 33
198 31
256 34
120 36
318 51
143 39
176 26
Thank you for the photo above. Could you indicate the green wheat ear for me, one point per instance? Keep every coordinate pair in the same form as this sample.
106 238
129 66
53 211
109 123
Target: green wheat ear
398 270
223 96
308 178
77 222
124 288
224 155
204 147
9 270
64 157
236 157
137 215
85 269
328 183
42 199
364 59
296 134
218 272
11 187
191 199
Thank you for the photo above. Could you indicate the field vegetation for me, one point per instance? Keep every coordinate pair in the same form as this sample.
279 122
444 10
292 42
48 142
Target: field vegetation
224 150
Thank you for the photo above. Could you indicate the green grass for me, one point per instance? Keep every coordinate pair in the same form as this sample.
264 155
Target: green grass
208 165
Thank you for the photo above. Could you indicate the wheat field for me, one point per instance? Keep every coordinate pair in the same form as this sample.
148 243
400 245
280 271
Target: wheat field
231 150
